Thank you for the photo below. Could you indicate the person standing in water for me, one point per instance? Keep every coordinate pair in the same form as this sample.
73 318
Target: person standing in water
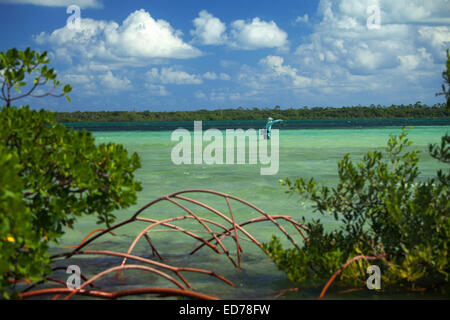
268 128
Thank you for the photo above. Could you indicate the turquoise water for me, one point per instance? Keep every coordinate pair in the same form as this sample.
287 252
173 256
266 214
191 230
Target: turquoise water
306 153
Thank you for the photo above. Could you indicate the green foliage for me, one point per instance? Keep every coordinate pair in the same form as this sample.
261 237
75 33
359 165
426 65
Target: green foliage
22 254
16 64
50 175
446 76
383 208
56 176
66 174
416 110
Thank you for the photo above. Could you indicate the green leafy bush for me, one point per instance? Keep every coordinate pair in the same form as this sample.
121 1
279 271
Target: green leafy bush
384 209
15 65
22 254
60 175
50 176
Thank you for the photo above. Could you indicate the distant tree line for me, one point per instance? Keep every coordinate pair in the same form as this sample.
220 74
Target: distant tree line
416 110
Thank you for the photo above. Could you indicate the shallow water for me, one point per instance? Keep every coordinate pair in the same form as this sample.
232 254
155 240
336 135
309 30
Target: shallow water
306 153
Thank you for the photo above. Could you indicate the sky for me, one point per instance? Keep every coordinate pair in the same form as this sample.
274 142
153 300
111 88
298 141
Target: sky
169 55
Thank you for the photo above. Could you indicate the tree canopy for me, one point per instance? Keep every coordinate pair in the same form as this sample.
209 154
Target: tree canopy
16 64
50 176
446 76
417 110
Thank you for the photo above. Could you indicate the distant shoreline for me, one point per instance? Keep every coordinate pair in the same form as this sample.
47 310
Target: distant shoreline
416 111
258 124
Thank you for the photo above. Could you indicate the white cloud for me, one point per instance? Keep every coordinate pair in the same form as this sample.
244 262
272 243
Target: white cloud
93 79
304 19
343 39
140 39
228 63
58 3
257 34
224 76
82 79
157 90
273 78
142 36
407 51
340 57
437 38
399 11
210 75
274 64
172 76
221 96
109 81
209 30
245 35
213 76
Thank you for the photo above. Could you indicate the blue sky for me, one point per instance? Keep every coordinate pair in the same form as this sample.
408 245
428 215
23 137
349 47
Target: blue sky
171 55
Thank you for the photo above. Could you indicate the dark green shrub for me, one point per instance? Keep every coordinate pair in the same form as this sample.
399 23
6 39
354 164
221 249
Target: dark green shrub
384 209
49 175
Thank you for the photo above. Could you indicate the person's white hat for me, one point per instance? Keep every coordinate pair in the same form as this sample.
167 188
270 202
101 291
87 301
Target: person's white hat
270 119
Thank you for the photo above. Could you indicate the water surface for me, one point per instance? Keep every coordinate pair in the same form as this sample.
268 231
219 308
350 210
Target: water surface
303 152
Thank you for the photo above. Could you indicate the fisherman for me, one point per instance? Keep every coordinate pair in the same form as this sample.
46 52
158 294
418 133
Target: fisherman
269 124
